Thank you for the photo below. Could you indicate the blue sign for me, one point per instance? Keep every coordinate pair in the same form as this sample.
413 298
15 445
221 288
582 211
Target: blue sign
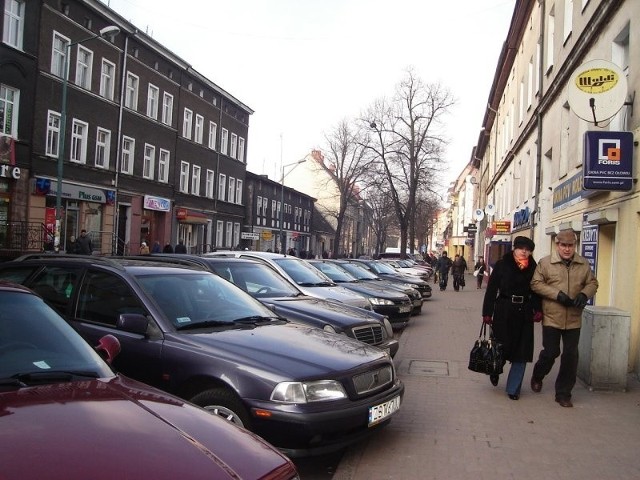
589 246
608 160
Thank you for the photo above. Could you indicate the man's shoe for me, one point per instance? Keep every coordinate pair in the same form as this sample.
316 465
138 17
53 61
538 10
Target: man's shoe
564 402
536 385
513 397
494 380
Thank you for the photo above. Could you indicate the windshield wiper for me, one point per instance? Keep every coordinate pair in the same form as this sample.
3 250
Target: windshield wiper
205 324
31 378
256 320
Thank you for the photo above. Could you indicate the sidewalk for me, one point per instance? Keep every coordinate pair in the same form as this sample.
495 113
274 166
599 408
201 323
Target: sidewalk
454 424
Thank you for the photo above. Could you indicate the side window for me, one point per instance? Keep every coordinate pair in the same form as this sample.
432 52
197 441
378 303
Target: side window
55 285
17 274
103 297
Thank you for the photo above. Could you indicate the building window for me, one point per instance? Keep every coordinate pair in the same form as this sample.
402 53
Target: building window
259 206
551 27
224 141
163 165
187 123
9 108
149 161
241 149
219 232
153 96
222 186
13 30
530 84
209 185
53 134
234 146
195 180
131 96
84 66
232 190
107 79
229 236
103 147
239 192
58 54
128 151
79 131
167 108
236 234
568 18
184 177
199 131
213 131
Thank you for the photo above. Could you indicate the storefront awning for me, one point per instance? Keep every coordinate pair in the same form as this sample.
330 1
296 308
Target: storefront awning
184 215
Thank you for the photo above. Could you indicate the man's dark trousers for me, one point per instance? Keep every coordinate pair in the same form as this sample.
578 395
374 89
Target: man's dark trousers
566 379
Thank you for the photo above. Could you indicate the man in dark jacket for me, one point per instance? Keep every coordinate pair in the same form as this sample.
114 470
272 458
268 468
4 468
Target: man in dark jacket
443 266
83 244
458 267
565 282
180 247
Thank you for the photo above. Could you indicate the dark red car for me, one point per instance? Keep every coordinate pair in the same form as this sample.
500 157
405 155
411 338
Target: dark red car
64 414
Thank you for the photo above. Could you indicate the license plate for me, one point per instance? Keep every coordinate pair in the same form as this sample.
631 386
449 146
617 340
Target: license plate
378 413
405 309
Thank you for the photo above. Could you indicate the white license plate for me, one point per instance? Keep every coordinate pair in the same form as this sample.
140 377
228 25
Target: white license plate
405 309
378 413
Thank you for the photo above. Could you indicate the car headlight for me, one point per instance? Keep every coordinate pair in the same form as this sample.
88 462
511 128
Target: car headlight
306 392
380 301
329 328
409 285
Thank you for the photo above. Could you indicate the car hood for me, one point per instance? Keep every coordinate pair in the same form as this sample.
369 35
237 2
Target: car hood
374 290
336 293
119 428
333 313
290 351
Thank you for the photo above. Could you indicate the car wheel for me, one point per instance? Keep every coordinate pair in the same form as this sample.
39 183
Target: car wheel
223 403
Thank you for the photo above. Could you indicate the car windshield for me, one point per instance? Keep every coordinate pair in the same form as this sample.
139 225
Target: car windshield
334 272
358 271
303 273
199 300
39 346
256 279
384 268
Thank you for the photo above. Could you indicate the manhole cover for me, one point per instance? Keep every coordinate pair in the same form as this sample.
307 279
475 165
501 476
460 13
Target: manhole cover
429 368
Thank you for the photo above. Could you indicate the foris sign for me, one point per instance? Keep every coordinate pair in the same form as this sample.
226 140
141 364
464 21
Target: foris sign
608 161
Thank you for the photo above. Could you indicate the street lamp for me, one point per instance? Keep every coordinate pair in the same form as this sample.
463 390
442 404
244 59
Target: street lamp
109 30
294 164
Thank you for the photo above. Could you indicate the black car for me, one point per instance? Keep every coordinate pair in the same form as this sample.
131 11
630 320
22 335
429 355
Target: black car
362 273
280 295
197 336
396 305
389 273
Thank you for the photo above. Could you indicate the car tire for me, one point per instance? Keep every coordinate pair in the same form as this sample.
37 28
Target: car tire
225 404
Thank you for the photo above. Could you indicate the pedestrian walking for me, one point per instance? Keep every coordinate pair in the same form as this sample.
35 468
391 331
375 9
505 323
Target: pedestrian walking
83 243
180 247
144 248
156 247
443 266
565 282
511 308
167 248
478 271
458 268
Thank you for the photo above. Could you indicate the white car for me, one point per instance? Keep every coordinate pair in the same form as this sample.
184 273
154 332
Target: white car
305 276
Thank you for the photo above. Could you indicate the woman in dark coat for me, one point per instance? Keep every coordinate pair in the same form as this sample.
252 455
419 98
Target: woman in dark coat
511 308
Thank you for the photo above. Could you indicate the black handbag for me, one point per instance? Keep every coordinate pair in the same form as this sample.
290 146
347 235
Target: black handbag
486 354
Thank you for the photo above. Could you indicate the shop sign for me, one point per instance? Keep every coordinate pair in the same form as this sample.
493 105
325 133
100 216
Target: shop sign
502 227
249 236
568 193
44 186
9 171
521 218
157 203
608 160
267 235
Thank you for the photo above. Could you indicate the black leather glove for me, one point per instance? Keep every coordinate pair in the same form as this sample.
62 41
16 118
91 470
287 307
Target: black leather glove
564 299
580 301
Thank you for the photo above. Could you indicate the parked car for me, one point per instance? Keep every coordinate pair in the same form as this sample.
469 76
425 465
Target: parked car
391 302
64 413
284 298
362 273
201 338
307 278
404 267
387 272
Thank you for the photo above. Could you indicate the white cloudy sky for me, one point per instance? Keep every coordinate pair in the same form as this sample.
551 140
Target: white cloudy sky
303 65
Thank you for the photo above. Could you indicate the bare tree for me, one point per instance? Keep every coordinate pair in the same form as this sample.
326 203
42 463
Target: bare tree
346 165
409 145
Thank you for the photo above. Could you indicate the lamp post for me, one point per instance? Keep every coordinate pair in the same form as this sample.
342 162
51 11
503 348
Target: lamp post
109 30
294 164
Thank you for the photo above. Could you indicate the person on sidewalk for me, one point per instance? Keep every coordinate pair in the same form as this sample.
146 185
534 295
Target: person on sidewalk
565 282
511 308
458 268
83 244
442 268
478 271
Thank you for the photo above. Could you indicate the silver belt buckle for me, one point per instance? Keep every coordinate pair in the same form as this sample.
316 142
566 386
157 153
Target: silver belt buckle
517 299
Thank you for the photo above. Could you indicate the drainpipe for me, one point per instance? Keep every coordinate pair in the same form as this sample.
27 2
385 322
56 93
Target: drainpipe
536 203
116 212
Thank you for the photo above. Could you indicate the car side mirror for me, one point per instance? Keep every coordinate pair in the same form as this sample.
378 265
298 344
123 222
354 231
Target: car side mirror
108 348
133 323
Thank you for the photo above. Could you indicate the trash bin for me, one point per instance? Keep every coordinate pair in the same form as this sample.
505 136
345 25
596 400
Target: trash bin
604 348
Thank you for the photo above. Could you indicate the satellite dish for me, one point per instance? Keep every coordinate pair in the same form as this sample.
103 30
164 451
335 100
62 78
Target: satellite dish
478 214
490 209
597 90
